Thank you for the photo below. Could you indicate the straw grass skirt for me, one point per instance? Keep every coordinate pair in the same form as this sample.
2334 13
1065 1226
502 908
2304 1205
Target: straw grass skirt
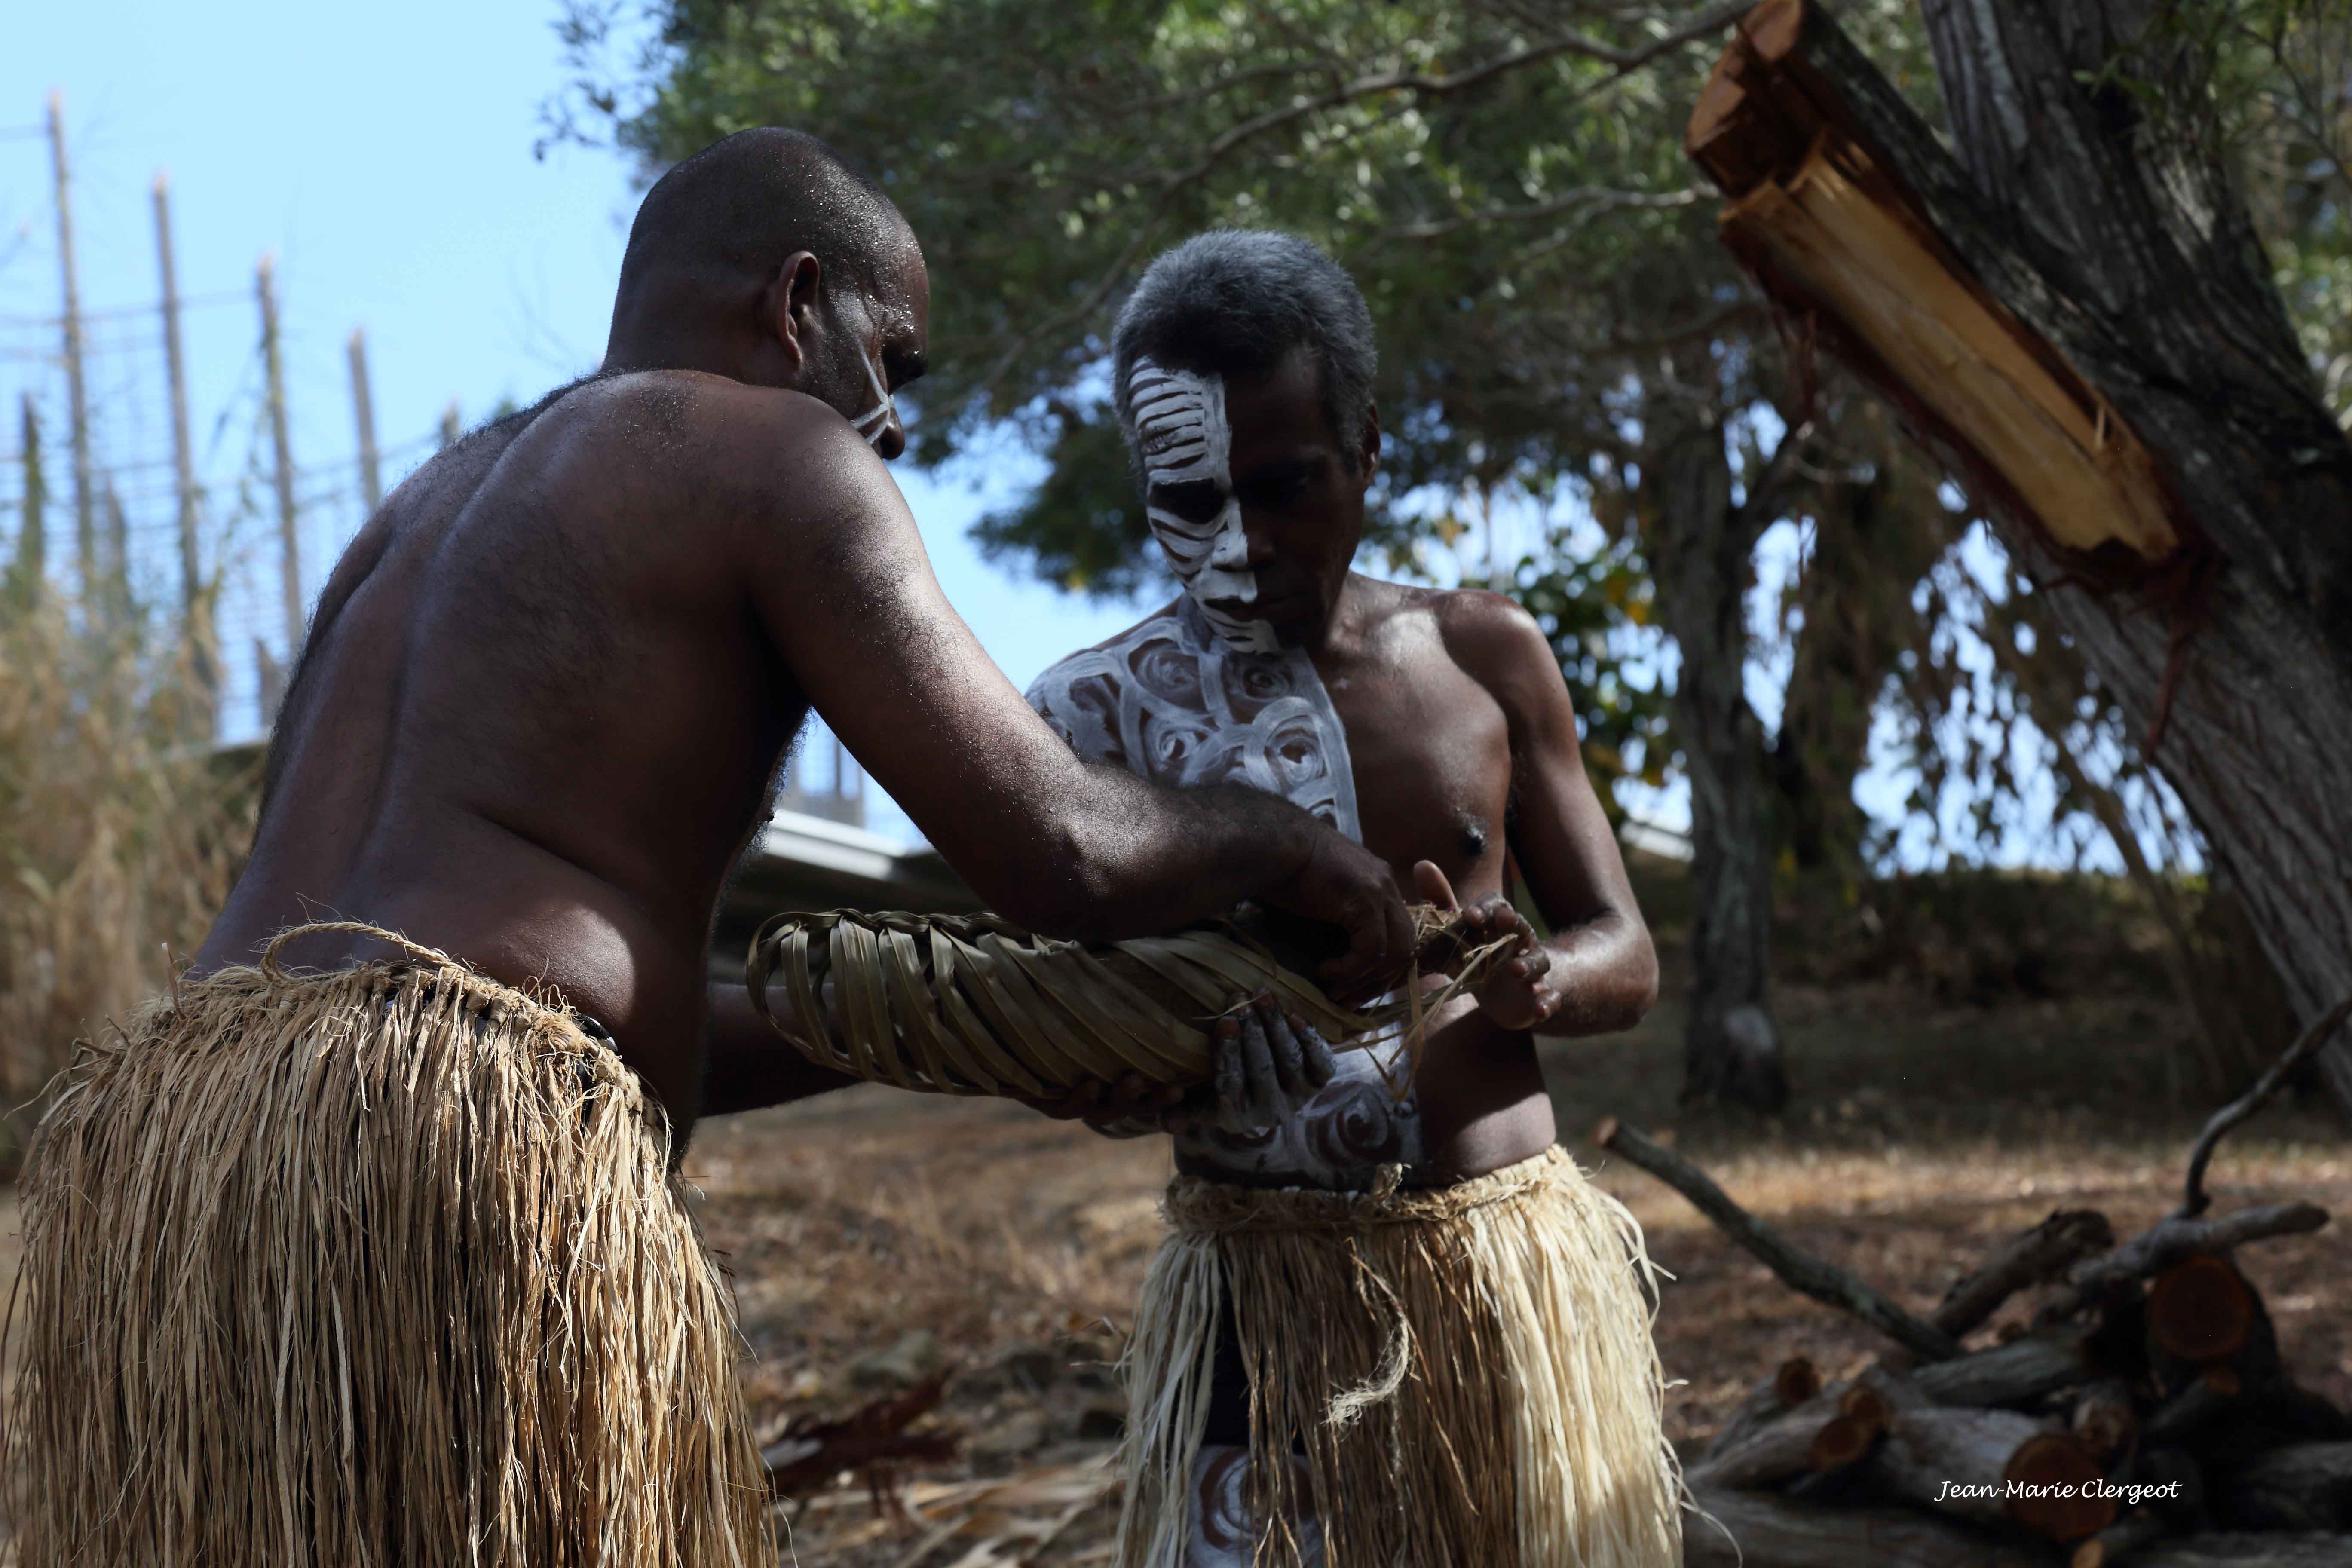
383 1266
1469 1372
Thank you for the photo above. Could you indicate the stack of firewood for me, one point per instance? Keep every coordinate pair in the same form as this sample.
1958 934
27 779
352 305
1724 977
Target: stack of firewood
2142 1415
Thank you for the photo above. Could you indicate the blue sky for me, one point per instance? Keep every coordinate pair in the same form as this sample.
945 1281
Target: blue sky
386 155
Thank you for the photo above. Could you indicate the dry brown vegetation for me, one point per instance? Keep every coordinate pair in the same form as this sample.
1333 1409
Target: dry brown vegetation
119 836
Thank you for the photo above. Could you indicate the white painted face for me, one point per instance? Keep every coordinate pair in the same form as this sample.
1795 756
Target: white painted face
1180 425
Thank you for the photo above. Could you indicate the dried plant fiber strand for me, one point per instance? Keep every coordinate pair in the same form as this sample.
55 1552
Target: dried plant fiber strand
379 1267
1469 1370
974 1004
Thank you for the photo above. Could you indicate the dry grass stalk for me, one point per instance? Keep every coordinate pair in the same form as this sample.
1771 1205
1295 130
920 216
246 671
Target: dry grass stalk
381 1266
118 835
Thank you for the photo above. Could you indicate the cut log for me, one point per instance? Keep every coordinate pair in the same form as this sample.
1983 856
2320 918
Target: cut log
2305 1486
1801 1271
2222 1550
2201 1309
1773 1452
2194 1408
2011 1373
1844 1439
2172 1484
1995 1465
1796 1380
1751 1530
2135 1530
2105 1418
2171 1240
2025 1259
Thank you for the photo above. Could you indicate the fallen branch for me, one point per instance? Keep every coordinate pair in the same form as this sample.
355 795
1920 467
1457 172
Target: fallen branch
2028 1259
2172 1239
811 1453
1795 1381
2194 1200
2303 1486
2218 1550
1824 1282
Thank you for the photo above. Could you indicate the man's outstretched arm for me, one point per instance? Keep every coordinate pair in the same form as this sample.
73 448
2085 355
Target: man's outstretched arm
846 594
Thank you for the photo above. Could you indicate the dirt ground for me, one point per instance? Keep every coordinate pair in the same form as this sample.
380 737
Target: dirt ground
876 1236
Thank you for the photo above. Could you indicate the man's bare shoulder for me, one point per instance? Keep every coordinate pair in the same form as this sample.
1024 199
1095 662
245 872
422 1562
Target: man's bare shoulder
1489 636
683 418
1101 665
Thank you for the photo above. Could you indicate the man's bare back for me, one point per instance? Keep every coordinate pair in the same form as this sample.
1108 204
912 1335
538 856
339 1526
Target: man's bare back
538 677
547 688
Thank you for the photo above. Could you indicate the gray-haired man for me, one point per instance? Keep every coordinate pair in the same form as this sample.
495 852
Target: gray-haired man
1395 1326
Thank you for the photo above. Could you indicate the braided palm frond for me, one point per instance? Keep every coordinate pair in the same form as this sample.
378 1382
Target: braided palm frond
973 1005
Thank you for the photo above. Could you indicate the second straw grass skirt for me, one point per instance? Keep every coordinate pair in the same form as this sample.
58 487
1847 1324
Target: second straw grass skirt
380 1266
1467 1375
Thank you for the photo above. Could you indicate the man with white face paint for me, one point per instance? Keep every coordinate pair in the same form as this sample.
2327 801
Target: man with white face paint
1356 1347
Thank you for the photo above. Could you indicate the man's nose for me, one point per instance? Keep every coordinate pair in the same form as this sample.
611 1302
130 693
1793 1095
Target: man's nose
1240 543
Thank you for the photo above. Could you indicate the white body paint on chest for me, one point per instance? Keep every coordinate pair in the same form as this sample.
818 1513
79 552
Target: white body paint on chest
1186 440
1174 703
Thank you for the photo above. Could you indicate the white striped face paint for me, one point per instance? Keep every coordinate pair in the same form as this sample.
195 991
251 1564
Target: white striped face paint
1187 446
875 420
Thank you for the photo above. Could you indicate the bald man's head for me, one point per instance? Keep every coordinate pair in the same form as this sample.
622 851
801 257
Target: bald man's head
705 276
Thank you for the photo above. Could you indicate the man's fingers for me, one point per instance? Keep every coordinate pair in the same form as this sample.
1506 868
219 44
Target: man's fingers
1228 1070
1264 1090
1290 1055
1430 885
1400 949
1322 1065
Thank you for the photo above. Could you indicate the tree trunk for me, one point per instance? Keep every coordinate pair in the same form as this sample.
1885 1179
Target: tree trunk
1702 549
1873 539
2220 613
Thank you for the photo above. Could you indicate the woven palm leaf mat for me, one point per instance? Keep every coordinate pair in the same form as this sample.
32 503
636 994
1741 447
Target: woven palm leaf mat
973 1005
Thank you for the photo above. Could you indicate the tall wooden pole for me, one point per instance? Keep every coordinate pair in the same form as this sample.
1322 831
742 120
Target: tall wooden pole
450 427
195 605
290 542
77 396
364 410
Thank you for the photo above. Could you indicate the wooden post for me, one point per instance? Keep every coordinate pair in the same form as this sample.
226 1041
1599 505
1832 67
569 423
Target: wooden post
76 392
28 575
289 541
364 410
116 595
450 428
195 605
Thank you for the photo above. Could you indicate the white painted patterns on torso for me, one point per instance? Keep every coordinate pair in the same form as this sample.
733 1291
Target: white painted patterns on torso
1172 701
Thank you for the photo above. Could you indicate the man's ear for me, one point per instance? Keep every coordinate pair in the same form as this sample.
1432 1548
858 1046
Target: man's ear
790 303
1371 463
